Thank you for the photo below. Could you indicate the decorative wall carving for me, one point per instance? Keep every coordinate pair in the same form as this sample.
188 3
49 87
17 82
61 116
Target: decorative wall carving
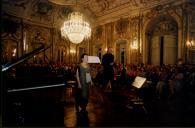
11 37
9 50
17 3
99 31
134 28
161 9
44 13
103 4
36 36
10 26
122 25
42 10
192 21
165 28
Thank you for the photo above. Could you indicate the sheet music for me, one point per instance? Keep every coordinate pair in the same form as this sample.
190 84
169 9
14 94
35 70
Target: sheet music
139 81
93 59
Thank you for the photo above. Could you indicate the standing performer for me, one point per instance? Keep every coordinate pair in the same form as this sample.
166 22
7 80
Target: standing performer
108 71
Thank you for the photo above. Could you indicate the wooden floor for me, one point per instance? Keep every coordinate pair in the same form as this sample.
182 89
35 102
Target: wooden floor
117 109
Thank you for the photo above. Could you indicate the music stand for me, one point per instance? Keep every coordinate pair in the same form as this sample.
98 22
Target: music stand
138 83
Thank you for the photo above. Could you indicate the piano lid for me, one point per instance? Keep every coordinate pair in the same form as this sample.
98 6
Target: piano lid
43 47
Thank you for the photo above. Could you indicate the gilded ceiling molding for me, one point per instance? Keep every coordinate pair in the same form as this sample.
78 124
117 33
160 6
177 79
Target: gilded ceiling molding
189 7
17 3
113 6
68 2
170 9
103 4
64 11
42 11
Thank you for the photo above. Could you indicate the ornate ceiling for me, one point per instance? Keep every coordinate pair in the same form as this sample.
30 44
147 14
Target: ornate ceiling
53 12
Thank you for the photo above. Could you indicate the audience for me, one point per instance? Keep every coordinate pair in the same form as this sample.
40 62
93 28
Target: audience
175 83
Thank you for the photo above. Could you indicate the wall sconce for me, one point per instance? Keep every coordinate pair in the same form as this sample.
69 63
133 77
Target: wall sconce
106 49
72 51
190 44
14 52
134 45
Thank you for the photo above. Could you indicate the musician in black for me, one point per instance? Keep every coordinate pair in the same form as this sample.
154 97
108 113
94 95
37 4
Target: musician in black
108 71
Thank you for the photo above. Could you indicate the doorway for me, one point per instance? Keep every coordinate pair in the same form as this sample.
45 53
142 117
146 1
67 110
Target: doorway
163 50
121 52
162 41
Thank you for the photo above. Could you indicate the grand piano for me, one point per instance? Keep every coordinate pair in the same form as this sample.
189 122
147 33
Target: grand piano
31 100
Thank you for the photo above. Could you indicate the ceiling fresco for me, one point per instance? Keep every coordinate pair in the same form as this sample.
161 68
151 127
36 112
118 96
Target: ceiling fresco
53 12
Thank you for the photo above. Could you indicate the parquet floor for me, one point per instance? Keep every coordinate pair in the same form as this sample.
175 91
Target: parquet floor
114 109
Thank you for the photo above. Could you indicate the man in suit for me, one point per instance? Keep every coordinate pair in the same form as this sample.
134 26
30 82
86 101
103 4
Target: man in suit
108 71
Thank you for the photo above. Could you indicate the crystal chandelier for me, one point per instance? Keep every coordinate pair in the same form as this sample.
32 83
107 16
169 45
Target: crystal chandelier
75 28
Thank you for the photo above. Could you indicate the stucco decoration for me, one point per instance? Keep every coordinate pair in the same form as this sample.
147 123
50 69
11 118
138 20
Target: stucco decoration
9 50
10 39
39 35
42 11
134 28
99 31
192 21
11 27
165 27
121 26
64 11
160 9
67 2
163 24
17 3
105 5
